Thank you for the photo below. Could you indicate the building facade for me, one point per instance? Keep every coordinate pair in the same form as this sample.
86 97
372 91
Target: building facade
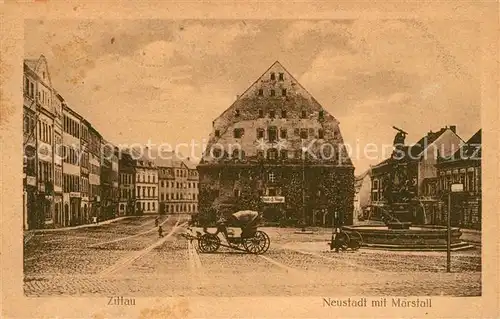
126 205
61 156
107 209
115 180
193 192
146 183
362 196
30 119
72 214
277 150
58 159
177 186
95 173
411 176
38 132
463 167
85 169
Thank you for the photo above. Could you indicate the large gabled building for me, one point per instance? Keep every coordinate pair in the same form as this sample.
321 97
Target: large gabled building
277 150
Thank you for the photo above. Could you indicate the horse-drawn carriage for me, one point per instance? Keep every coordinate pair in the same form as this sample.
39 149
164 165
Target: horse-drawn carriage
251 240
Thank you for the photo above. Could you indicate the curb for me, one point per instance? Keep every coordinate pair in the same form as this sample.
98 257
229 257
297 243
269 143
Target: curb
27 236
109 221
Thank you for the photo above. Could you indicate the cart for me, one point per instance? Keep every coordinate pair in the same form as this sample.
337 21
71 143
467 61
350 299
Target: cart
344 240
256 243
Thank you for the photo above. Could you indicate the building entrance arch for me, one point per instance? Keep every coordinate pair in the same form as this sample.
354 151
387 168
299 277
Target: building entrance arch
272 213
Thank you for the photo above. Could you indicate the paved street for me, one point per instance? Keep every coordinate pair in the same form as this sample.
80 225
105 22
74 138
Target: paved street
127 258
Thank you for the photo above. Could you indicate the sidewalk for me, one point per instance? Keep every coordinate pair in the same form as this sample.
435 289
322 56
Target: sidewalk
109 221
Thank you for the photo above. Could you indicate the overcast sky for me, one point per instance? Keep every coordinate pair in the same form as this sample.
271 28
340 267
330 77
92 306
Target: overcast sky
165 81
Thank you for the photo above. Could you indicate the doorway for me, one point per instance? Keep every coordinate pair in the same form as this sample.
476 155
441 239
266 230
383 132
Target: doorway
272 214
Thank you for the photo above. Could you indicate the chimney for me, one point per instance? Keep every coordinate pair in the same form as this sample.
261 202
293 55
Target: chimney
453 128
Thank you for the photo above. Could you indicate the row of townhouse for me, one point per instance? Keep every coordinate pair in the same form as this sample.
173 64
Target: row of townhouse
63 155
152 183
72 173
423 179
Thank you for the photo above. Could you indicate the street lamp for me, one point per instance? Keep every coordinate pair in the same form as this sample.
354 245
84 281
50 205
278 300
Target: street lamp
454 188
304 149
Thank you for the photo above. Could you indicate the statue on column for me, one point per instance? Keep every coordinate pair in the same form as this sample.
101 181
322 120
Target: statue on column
399 141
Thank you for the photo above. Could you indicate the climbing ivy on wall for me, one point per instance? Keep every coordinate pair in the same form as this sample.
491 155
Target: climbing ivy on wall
330 188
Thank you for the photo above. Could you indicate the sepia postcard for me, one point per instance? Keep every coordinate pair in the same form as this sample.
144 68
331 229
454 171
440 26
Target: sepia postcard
249 159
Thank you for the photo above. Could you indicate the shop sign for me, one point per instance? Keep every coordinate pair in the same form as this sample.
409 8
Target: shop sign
74 194
31 180
273 199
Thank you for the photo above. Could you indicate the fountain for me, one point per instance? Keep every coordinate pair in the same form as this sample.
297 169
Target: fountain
398 233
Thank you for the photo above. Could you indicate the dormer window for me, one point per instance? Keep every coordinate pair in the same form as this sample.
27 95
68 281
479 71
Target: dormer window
238 132
273 93
281 77
261 92
273 76
321 133
215 153
217 133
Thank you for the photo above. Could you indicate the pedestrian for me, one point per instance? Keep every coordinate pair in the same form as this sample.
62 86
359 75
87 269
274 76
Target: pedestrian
160 232
94 219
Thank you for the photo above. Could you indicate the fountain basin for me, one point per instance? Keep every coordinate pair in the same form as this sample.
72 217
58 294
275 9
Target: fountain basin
421 238
398 225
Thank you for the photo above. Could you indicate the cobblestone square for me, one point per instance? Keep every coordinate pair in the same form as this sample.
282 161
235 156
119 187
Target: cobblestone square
128 258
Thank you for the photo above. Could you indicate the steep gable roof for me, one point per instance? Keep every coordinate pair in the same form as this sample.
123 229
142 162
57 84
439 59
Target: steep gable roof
36 64
470 150
31 63
363 175
289 94
171 159
262 78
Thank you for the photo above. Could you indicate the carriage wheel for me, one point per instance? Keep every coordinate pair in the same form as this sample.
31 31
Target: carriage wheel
258 244
208 243
354 244
343 240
